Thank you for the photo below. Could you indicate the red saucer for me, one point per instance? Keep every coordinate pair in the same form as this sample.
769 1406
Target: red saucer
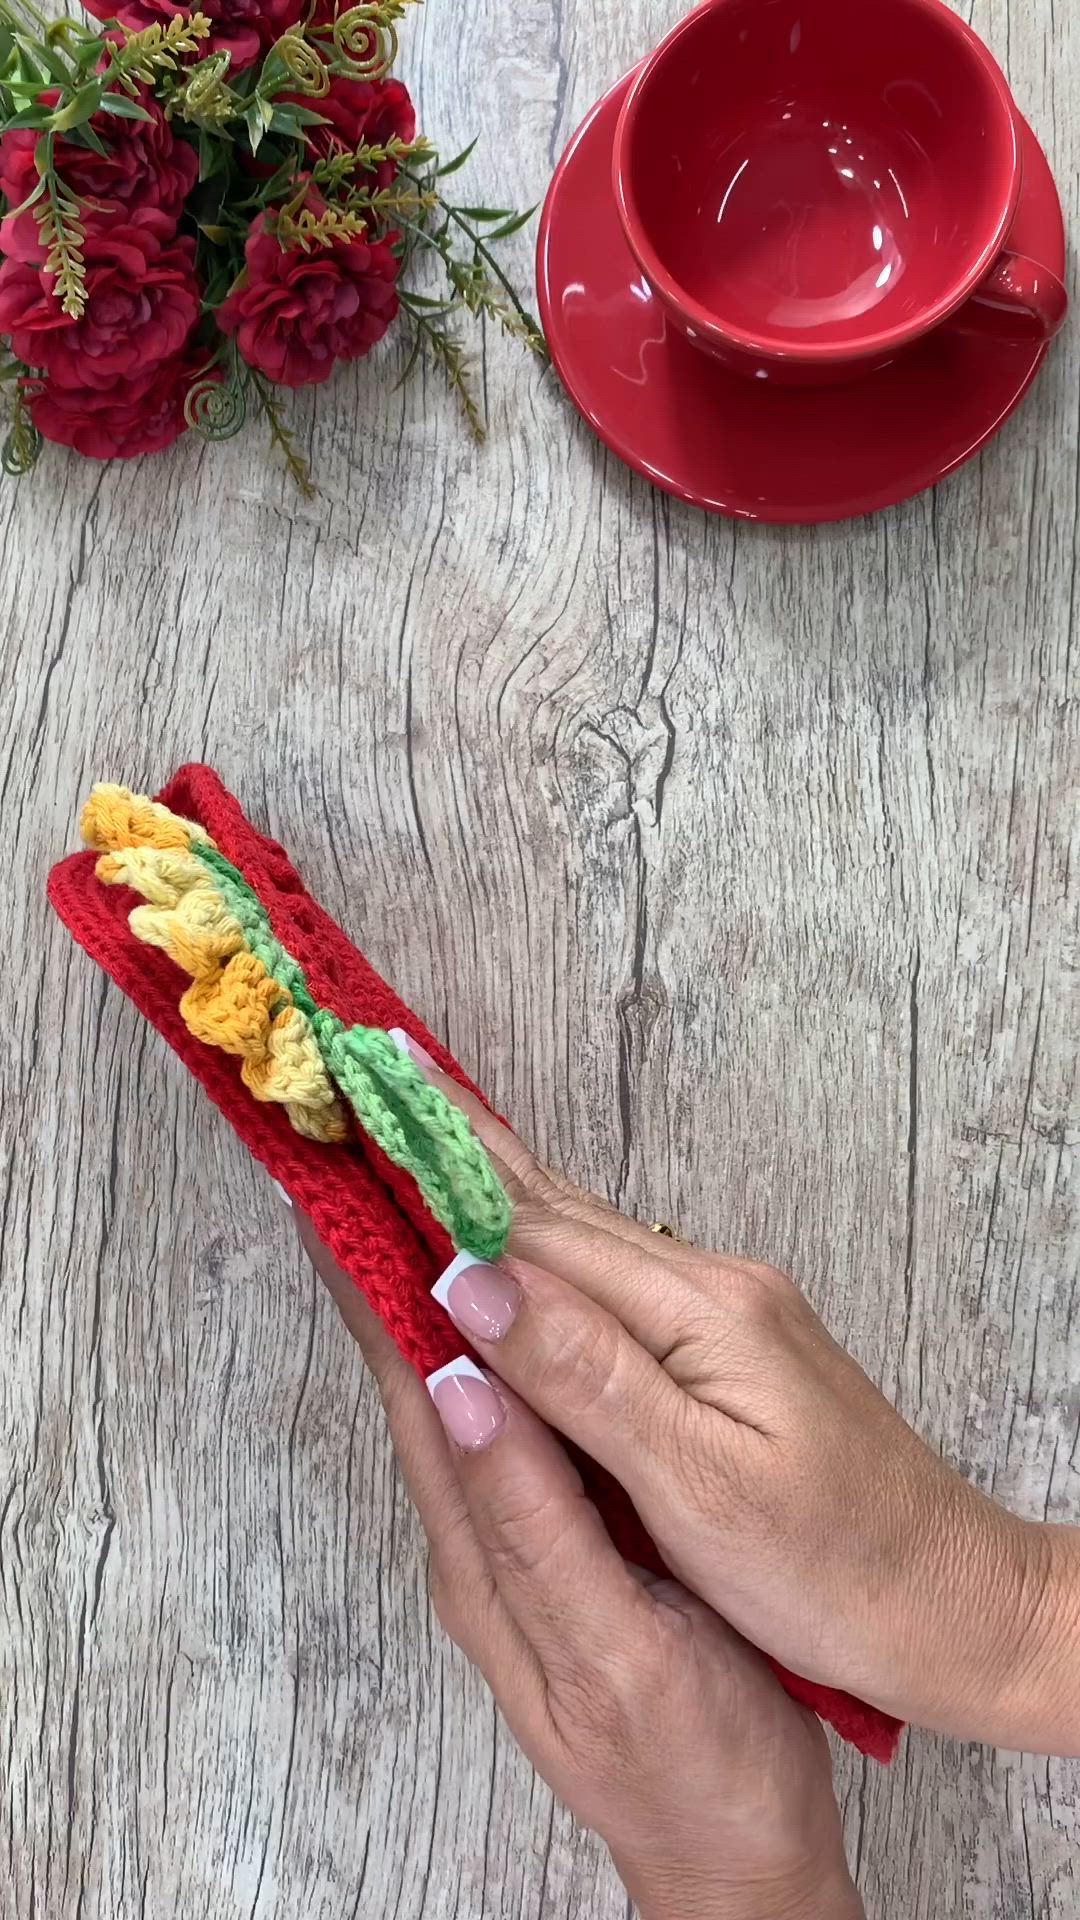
726 443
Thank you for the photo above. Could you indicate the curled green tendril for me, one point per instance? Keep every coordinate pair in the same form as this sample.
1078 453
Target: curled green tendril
215 409
304 64
369 44
21 447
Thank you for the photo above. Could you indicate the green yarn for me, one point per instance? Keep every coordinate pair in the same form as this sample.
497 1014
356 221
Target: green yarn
420 1129
246 908
414 1123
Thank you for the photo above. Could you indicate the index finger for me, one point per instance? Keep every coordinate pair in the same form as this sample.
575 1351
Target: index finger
562 1580
657 1287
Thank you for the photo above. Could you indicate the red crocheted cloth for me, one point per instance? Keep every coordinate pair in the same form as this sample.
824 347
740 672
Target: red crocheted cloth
366 1210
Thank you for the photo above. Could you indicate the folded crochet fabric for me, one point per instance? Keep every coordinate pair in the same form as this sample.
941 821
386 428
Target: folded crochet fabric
206 925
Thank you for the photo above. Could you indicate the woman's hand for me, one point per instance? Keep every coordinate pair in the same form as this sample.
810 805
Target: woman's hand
778 1483
656 1724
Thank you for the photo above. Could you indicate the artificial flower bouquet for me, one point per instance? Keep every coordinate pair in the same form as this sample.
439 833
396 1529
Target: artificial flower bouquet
200 209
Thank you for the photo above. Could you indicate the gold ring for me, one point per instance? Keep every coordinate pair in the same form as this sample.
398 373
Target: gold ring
668 1233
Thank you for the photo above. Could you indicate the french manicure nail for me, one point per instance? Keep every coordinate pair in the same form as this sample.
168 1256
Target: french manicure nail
280 1191
412 1047
480 1298
467 1404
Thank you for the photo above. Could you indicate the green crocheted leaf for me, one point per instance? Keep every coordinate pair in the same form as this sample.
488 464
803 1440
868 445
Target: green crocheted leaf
421 1130
414 1123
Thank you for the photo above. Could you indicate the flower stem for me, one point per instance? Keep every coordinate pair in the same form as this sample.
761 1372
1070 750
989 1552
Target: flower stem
484 254
281 435
447 355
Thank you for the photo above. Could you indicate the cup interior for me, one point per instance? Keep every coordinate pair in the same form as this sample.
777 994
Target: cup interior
819 174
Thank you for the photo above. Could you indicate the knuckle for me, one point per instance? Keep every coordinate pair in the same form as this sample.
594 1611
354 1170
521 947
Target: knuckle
762 1298
523 1531
539 1182
596 1720
728 1483
666 1654
606 1712
765 1276
528 1178
581 1360
770 1285
547 1194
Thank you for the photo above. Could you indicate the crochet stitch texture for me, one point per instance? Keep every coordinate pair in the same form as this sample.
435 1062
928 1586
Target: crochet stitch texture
366 1209
249 997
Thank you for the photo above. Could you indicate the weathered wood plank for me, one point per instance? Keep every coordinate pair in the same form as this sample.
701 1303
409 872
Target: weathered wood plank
741 865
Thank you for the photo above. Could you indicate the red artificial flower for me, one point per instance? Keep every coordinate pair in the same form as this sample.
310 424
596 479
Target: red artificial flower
142 302
113 423
246 29
295 314
145 166
360 113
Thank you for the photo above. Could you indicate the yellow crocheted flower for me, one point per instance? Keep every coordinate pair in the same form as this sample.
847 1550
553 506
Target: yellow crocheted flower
232 1002
114 818
291 1069
160 875
250 997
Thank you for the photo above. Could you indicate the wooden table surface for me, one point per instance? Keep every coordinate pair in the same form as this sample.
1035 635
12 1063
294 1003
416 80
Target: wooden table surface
741 865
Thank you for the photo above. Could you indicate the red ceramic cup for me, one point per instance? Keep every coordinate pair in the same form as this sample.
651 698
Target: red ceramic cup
809 186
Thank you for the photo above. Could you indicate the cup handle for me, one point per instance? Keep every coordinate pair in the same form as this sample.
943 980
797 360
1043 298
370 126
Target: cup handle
1018 300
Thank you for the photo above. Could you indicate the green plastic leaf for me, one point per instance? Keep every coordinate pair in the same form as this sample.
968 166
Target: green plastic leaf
298 116
219 284
85 136
285 124
90 53
124 109
257 119
212 157
31 198
28 70
418 341
512 226
42 55
75 112
28 117
485 213
275 74
442 173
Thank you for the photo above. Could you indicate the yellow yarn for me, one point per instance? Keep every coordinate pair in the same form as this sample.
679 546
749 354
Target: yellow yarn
198 933
233 1002
292 1068
231 1007
160 875
114 818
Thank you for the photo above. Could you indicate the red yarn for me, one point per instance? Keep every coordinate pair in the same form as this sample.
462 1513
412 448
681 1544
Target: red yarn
366 1210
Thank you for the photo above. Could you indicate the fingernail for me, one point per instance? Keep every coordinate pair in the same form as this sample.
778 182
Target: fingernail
410 1046
467 1404
481 1299
280 1191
